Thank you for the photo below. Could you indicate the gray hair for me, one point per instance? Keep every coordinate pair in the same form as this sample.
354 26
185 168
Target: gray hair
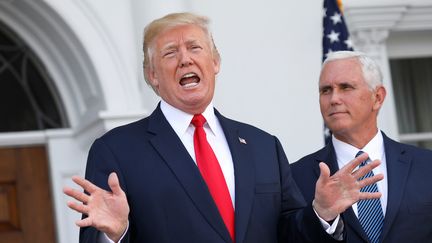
158 26
371 71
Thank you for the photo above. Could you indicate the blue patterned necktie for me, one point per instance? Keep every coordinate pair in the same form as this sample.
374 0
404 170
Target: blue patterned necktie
370 212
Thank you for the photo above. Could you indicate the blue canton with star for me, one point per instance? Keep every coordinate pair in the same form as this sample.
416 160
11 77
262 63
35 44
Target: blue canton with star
336 35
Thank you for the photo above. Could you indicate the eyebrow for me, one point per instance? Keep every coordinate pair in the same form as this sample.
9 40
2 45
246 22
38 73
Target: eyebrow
188 42
169 46
324 86
173 45
344 84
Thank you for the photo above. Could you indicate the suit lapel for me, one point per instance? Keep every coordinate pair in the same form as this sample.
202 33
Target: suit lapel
353 222
175 155
328 155
244 175
398 165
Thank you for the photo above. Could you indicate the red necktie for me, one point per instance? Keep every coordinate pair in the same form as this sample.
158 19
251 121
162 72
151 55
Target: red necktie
212 174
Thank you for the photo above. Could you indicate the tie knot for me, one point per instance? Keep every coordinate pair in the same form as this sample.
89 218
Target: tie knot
364 162
198 120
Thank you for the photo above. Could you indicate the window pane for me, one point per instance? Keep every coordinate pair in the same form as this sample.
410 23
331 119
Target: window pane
28 98
16 110
412 84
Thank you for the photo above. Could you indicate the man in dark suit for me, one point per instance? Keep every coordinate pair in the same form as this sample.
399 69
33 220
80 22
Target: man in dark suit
351 95
147 181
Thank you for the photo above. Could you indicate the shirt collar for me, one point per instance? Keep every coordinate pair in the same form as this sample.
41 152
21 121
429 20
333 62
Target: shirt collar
180 120
346 152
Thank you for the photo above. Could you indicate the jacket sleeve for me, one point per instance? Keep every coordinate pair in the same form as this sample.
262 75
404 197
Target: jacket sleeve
298 221
100 163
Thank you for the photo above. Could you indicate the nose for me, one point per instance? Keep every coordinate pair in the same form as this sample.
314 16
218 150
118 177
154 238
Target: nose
185 59
335 98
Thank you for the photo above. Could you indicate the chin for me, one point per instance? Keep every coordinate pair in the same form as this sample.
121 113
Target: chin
337 127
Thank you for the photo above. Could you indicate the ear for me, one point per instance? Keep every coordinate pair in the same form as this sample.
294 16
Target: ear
153 77
379 95
216 65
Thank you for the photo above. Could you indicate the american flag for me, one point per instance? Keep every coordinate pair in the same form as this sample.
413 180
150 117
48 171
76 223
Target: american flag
335 36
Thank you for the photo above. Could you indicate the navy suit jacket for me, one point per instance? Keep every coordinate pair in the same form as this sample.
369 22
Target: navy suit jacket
408 217
170 202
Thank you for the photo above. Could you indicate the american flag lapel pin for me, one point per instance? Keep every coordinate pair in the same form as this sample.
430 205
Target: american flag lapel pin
242 140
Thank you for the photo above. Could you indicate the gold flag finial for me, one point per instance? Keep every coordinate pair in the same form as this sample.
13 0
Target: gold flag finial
339 3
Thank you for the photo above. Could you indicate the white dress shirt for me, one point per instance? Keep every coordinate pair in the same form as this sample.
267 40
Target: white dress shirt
181 123
375 149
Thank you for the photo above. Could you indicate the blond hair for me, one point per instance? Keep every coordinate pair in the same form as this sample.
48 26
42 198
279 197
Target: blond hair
157 26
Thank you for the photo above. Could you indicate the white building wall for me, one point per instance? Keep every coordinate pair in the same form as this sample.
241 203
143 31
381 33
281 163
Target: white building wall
105 29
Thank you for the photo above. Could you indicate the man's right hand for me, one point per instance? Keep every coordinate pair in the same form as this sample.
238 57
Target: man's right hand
106 211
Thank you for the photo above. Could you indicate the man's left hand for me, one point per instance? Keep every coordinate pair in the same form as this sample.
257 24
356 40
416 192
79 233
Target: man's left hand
334 194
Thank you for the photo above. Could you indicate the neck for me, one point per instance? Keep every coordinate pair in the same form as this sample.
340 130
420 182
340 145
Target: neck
358 140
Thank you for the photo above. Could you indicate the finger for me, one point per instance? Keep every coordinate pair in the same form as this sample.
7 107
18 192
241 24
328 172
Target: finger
114 184
365 169
79 207
369 195
78 195
85 184
324 172
348 168
370 180
85 222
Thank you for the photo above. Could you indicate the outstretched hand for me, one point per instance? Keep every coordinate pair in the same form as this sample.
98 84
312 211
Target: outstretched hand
106 211
334 194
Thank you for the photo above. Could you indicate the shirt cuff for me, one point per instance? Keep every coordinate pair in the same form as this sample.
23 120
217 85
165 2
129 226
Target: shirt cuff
335 229
330 229
103 238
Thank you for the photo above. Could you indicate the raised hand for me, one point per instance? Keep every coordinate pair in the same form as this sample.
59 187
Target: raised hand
334 194
106 211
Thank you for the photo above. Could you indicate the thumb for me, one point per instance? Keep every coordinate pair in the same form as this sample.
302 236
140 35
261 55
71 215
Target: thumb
114 184
324 172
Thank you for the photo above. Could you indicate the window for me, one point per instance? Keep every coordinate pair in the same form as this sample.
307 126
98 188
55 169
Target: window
28 97
412 84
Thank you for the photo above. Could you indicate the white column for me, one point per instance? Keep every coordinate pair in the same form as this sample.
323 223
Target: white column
66 159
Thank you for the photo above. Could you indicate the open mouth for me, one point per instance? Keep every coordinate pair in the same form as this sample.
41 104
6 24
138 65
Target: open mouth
189 80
